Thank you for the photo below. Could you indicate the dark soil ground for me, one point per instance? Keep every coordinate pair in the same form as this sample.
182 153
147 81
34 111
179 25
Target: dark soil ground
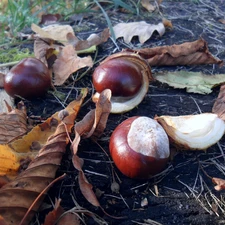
182 194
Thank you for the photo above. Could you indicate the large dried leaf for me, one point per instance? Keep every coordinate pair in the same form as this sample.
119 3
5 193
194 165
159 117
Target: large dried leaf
67 63
13 124
45 47
188 53
92 40
92 125
55 32
194 82
18 196
17 154
219 105
141 29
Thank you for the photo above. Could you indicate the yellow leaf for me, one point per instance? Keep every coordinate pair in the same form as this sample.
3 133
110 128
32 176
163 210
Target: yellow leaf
19 152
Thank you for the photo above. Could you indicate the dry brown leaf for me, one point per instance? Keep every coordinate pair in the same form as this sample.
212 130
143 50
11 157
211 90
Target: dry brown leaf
149 5
141 29
55 32
54 215
93 39
42 47
13 124
167 23
188 53
57 216
31 185
85 186
16 155
47 19
220 183
219 105
4 97
92 125
67 63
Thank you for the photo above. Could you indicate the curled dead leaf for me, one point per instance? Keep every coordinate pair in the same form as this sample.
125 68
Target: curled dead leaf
16 155
44 49
31 185
188 53
141 29
92 40
55 32
67 63
92 125
13 124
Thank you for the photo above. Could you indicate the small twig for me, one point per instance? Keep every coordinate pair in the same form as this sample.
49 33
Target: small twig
221 150
133 188
124 201
199 109
61 103
97 174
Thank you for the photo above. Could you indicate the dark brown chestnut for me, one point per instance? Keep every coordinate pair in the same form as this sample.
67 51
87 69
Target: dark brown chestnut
127 75
121 76
30 78
139 147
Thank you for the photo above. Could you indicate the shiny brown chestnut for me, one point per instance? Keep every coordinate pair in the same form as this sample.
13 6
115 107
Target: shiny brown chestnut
30 78
127 75
139 147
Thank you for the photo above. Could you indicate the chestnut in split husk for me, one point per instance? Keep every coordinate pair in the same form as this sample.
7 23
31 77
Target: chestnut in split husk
127 75
30 78
139 147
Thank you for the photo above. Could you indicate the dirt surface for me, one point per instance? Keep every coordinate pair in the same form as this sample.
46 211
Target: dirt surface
183 193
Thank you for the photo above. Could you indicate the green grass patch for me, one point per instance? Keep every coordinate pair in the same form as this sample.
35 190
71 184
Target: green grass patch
14 54
18 14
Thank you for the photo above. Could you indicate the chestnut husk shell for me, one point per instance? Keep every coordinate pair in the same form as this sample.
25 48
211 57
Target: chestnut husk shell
30 78
121 104
142 166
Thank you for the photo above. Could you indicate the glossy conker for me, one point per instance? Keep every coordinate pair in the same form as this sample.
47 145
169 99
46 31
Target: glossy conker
28 79
121 76
127 75
139 147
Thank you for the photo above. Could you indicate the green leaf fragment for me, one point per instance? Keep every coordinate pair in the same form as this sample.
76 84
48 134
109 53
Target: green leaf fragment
194 82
